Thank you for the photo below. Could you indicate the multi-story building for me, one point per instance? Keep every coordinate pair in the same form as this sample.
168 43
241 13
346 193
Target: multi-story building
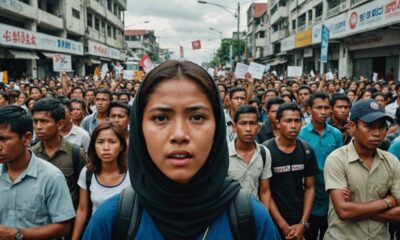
32 31
257 31
140 42
364 35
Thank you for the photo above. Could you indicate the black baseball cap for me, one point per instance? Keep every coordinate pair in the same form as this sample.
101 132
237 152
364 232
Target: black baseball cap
368 111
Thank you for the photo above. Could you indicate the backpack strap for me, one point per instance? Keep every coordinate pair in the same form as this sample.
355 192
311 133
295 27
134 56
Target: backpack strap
76 159
88 180
241 217
307 149
128 216
263 154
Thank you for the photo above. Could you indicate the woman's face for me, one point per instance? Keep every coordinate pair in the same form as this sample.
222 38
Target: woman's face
351 96
366 95
178 127
35 94
3 101
21 99
107 145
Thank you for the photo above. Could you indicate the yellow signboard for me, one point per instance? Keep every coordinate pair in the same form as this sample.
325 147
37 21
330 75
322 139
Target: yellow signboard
303 38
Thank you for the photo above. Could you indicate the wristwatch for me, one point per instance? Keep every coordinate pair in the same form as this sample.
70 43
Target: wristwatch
306 224
19 235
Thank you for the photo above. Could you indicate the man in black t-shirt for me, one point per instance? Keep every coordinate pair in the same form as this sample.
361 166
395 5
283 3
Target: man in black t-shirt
294 167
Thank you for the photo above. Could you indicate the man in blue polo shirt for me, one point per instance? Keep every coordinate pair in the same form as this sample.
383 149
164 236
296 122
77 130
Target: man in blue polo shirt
323 139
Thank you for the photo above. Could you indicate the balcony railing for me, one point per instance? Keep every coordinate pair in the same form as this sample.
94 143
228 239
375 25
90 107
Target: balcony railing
278 35
338 9
355 3
281 13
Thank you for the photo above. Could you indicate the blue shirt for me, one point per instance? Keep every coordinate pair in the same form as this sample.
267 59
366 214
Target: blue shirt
89 123
39 196
395 148
323 145
100 225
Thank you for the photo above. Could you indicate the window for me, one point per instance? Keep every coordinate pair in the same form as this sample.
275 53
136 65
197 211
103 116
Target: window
310 15
127 38
96 24
262 34
114 33
293 24
76 13
109 30
115 9
89 20
103 27
26 1
109 5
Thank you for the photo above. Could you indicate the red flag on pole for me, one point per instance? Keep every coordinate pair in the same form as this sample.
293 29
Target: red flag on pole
181 51
146 63
196 45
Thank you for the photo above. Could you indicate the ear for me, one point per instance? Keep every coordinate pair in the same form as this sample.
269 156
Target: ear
60 124
27 138
352 128
278 124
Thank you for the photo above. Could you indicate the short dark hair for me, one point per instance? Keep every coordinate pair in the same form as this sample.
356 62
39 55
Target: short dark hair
224 86
317 95
65 101
119 104
243 110
271 90
273 101
304 87
236 89
338 96
397 86
5 96
105 91
17 118
285 107
51 105
255 100
77 100
379 94
125 92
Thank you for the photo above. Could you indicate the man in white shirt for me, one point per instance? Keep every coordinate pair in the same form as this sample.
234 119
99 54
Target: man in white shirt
391 108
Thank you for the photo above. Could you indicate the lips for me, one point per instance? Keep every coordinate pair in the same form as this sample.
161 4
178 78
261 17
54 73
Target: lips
179 158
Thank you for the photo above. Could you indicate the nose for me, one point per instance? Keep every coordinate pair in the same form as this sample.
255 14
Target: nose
179 132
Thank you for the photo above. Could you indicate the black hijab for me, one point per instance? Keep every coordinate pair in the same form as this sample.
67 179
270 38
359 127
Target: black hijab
180 211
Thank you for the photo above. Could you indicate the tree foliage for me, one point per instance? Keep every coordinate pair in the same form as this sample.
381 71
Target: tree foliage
223 50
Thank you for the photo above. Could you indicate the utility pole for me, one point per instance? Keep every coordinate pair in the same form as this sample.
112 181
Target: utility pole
238 29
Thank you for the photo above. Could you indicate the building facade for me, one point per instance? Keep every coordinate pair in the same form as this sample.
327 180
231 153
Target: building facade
364 36
140 42
32 31
257 31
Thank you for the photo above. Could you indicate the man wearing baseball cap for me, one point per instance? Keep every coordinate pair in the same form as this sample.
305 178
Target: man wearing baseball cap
363 181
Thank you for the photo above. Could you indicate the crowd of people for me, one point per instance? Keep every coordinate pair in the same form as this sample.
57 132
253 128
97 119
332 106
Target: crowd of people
315 158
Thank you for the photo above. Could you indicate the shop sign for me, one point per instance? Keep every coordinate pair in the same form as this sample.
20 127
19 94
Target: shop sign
287 44
335 25
374 41
22 38
324 44
308 52
101 50
303 38
373 15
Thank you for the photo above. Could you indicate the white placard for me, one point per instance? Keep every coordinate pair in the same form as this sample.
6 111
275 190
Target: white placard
241 70
329 75
256 70
312 73
267 67
211 71
129 74
104 70
294 71
375 77
220 73
62 62
1 76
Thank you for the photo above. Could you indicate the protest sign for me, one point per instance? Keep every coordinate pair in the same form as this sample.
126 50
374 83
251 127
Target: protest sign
241 70
256 70
62 62
294 71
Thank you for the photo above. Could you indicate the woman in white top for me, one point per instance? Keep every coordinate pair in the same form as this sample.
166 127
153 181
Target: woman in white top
108 166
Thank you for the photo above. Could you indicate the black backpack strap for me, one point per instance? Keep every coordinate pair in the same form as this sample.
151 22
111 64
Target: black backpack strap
263 154
76 159
306 149
128 216
241 217
88 179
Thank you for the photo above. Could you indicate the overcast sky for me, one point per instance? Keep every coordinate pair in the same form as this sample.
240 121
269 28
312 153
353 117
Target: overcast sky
179 22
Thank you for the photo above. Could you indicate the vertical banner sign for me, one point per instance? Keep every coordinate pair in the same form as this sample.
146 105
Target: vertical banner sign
181 51
231 55
62 62
324 43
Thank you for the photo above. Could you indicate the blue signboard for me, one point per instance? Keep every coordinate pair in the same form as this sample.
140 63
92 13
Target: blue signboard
324 43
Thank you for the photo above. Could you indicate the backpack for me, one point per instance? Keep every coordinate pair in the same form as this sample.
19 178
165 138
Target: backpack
263 154
306 148
129 212
76 159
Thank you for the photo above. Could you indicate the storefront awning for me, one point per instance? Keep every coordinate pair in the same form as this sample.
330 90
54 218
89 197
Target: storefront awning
48 55
92 61
105 59
17 54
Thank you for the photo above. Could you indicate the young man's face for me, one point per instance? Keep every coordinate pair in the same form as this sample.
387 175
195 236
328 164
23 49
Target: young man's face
119 116
77 112
341 110
246 127
381 101
221 92
102 100
303 96
45 126
124 98
320 110
12 146
238 99
89 97
290 124
369 135
272 113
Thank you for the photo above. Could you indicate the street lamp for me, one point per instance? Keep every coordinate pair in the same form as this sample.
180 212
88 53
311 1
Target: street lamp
130 25
236 14
218 31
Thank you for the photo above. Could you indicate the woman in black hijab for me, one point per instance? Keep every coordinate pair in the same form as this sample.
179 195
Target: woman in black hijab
178 161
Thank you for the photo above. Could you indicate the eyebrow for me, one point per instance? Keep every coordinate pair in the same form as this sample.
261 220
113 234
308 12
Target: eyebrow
192 108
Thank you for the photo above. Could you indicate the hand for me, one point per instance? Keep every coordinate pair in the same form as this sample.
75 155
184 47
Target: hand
296 232
249 78
285 229
7 233
347 195
391 200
